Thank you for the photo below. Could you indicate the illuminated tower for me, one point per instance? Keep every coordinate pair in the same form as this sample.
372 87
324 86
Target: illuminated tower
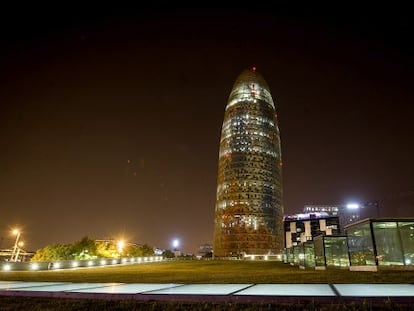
249 210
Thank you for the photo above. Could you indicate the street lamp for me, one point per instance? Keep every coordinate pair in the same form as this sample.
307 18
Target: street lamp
352 206
121 245
353 212
371 204
14 255
176 243
19 245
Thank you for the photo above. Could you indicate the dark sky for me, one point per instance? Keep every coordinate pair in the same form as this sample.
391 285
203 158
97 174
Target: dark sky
82 91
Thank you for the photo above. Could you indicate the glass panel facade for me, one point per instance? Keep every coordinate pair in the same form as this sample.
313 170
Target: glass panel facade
319 251
388 243
301 248
289 255
309 256
406 230
249 210
360 243
296 252
336 251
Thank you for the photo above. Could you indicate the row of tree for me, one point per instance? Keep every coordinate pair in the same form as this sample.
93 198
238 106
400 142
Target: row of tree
87 248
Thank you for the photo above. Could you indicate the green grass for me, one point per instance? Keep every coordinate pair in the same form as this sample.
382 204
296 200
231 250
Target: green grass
199 272
210 272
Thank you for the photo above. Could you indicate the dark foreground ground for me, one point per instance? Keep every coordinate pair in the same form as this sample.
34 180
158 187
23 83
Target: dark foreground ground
36 303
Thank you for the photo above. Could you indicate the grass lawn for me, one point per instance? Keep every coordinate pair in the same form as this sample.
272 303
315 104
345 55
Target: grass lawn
209 272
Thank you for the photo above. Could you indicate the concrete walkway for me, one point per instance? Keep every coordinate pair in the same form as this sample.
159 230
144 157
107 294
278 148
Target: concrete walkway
329 293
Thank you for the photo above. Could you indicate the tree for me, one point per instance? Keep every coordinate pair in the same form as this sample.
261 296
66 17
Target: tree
132 251
85 248
54 252
147 250
168 254
107 249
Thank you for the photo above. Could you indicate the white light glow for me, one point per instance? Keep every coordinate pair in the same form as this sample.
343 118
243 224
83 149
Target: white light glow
56 265
75 264
34 266
121 245
352 206
176 243
6 268
103 262
90 263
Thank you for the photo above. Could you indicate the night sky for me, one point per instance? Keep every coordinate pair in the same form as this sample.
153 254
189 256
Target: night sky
110 119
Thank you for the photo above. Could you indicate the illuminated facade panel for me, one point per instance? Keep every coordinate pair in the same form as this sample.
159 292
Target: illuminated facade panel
249 211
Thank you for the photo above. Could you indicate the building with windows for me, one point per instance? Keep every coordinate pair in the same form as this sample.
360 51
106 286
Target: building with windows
205 251
330 209
300 228
347 214
249 210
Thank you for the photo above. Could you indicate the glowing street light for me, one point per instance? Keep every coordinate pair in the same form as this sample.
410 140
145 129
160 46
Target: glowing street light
176 244
352 206
120 245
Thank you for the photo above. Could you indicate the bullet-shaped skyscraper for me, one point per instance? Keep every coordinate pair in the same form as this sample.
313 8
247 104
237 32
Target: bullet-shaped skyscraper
249 210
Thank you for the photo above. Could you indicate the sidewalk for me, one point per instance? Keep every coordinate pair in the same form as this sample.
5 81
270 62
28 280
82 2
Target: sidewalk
323 293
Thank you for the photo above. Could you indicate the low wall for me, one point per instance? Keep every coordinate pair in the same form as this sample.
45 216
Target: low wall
72 264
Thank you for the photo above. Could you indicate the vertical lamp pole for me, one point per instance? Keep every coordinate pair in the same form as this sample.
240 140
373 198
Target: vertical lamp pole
120 245
18 250
14 255
176 244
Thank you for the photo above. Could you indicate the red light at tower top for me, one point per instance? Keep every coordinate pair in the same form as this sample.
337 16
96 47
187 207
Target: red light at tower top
253 69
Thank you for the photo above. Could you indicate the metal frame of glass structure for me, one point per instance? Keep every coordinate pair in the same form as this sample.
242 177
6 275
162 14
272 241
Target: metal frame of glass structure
331 252
381 243
249 211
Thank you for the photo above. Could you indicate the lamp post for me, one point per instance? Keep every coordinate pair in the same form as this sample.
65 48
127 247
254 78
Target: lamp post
176 244
19 245
121 245
14 255
353 212
356 208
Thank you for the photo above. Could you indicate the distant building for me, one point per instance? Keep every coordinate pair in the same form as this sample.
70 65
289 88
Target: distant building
347 214
249 210
332 210
300 228
158 251
204 250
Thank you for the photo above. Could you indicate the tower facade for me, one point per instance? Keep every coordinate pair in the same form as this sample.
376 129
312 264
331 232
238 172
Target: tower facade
249 210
